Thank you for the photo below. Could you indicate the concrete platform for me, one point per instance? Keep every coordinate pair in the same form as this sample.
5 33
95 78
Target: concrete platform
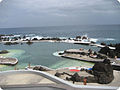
8 61
34 80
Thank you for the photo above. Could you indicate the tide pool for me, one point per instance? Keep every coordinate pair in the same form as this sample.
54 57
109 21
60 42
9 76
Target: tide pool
13 53
42 54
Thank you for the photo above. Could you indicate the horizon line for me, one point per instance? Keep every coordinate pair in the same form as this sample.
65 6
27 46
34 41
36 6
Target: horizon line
60 26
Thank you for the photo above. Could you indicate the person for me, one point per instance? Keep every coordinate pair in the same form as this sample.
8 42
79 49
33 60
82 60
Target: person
116 57
85 81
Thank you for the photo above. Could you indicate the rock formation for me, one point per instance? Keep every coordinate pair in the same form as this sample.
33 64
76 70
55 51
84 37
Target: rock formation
103 72
29 42
4 52
74 78
40 68
111 53
104 50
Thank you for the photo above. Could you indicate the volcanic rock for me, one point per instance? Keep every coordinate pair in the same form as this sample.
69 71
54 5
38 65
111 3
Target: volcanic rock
103 72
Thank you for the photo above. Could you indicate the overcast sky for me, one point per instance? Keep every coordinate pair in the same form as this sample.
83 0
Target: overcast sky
25 13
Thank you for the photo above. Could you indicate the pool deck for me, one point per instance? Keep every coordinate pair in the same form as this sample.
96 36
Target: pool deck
8 61
81 73
101 46
33 78
75 54
82 58
116 63
23 78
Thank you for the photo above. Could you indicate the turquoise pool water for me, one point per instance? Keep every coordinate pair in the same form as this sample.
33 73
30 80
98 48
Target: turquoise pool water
42 54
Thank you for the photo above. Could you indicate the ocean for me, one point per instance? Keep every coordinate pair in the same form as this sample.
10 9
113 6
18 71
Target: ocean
42 53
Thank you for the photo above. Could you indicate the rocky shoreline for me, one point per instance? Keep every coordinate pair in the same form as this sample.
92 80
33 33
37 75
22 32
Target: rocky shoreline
16 39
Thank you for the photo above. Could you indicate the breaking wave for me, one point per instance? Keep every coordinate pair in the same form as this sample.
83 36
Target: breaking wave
106 39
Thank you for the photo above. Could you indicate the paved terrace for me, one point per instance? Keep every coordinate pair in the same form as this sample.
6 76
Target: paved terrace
75 54
8 61
37 80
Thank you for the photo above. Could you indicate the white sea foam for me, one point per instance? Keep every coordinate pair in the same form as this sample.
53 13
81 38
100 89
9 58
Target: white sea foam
106 39
93 39
110 39
57 53
63 37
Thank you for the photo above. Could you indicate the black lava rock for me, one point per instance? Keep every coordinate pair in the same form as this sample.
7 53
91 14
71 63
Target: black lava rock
109 52
75 78
58 74
40 68
104 50
103 72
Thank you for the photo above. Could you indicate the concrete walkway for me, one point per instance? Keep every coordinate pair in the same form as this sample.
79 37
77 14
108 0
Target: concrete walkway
24 77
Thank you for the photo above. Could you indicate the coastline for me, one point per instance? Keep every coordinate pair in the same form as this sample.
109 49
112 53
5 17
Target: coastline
56 41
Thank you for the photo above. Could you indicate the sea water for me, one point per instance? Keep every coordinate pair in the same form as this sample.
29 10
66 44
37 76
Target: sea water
42 53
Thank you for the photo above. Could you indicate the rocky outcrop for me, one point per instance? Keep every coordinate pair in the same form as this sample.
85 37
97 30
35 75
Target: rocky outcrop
75 78
103 72
111 53
40 68
29 42
104 50
11 43
57 74
4 52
